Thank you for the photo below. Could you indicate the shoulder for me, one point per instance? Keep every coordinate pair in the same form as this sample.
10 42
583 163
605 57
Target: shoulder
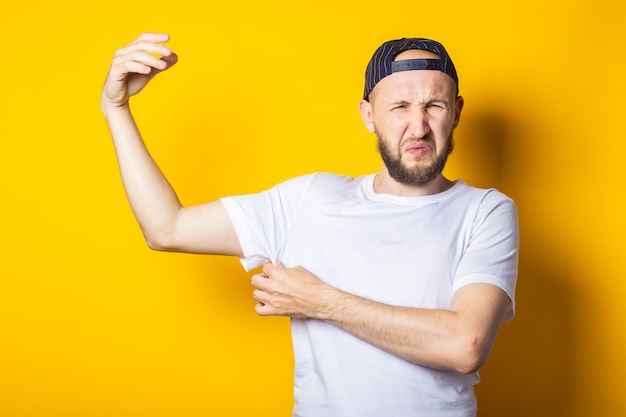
484 198
483 207
496 215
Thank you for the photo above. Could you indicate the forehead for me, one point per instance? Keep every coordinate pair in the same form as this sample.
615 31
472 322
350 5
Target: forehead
415 54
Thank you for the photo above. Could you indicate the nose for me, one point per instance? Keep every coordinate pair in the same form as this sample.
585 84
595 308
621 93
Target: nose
419 123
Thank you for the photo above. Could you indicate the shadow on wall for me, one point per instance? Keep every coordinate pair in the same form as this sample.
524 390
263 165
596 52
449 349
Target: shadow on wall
529 373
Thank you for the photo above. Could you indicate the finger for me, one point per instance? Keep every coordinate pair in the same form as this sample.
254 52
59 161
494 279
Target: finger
122 69
141 56
260 296
170 59
147 39
261 309
147 48
140 63
153 37
259 280
269 269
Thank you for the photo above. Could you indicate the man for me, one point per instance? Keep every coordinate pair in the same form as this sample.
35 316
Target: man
396 283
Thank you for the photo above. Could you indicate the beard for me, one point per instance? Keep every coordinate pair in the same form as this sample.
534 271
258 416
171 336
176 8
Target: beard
419 174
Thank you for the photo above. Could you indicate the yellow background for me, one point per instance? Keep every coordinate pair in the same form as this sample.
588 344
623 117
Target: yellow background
92 323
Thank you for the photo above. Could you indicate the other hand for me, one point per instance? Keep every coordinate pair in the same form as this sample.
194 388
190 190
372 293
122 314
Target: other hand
293 292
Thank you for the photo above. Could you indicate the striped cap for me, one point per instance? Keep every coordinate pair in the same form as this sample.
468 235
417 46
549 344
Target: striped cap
382 63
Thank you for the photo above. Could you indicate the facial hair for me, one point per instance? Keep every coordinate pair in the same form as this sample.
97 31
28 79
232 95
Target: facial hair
416 175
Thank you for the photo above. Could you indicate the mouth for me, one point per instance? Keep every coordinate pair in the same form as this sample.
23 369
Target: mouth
418 149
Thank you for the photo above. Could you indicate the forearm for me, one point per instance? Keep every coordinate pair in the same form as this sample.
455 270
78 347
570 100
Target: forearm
151 197
458 339
430 337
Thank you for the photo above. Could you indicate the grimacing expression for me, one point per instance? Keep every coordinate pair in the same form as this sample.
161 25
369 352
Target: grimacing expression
413 114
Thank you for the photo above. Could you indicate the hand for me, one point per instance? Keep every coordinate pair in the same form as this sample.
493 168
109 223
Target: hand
293 292
133 66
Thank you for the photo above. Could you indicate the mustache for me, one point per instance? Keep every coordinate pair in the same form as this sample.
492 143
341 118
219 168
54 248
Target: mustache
414 139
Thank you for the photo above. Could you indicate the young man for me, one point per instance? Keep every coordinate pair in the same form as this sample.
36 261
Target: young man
396 283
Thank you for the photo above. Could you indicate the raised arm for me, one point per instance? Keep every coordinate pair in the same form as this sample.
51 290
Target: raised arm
165 223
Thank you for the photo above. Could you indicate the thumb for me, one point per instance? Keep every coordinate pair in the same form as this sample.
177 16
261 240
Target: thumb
170 60
269 268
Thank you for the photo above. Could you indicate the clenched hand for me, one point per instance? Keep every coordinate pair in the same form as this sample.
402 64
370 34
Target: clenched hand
133 67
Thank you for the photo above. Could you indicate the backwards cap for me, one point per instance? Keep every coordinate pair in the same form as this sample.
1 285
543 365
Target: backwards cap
382 63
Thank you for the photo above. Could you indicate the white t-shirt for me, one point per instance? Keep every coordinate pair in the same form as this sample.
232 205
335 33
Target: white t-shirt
405 251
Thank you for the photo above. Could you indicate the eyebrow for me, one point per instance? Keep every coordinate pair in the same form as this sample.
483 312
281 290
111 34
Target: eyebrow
425 102
396 102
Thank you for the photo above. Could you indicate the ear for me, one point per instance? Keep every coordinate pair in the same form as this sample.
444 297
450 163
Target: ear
460 101
365 107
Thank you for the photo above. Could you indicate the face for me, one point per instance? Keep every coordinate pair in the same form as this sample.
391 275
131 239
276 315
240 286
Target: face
413 114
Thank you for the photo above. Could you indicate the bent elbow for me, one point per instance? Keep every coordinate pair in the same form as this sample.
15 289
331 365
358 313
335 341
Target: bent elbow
159 242
469 366
471 356
155 245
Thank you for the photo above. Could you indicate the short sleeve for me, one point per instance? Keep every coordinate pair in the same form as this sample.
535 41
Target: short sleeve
492 253
262 220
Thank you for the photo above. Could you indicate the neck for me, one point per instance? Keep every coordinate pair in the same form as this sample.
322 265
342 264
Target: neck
383 183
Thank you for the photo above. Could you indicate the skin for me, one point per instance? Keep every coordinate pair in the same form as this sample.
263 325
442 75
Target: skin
165 223
405 109
413 113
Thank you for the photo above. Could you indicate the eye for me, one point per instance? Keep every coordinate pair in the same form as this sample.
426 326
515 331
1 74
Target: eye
435 107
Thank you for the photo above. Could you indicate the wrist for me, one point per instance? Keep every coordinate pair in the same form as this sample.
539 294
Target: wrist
111 109
113 112
330 303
